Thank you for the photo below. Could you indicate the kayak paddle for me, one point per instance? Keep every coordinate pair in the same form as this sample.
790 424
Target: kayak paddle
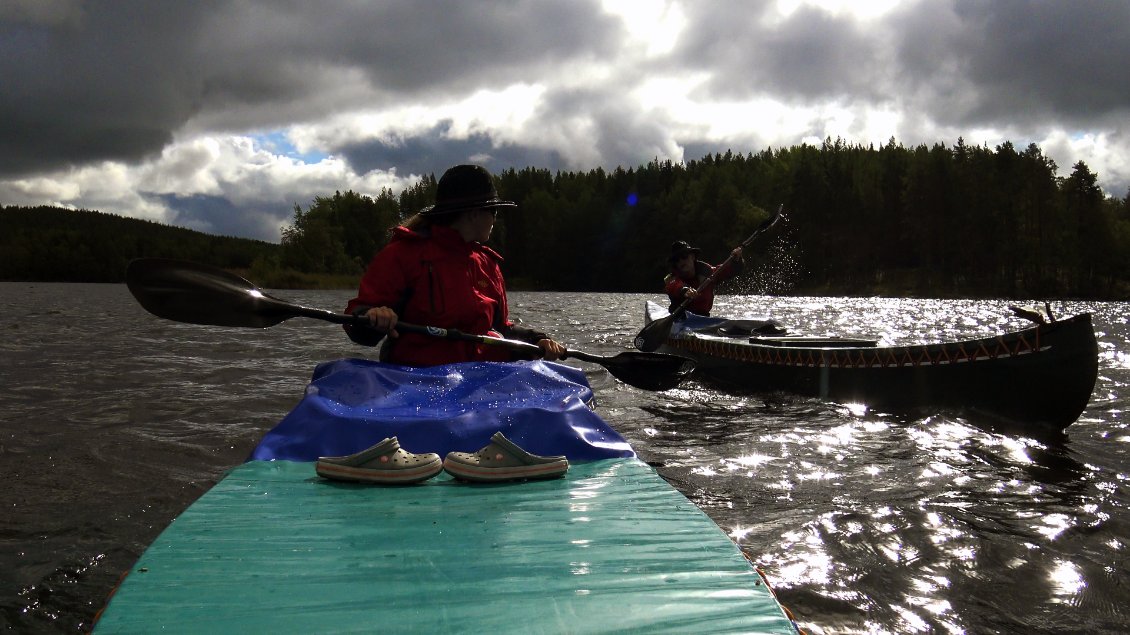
653 335
191 292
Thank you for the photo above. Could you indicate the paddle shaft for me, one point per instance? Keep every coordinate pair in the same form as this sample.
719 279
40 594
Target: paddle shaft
649 371
531 350
201 294
528 349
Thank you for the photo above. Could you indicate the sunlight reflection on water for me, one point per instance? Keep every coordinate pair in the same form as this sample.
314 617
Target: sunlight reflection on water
864 521
888 524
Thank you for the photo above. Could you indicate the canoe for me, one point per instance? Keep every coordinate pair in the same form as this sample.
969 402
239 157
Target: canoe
608 547
1041 376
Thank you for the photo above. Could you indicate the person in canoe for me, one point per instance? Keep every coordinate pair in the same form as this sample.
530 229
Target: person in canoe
688 273
437 270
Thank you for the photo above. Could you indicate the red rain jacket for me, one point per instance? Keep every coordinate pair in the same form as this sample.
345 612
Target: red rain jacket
676 286
437 279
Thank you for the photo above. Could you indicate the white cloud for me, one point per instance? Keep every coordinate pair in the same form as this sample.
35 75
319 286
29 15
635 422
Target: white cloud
504 113
233 168
1106 154
653 26
861 10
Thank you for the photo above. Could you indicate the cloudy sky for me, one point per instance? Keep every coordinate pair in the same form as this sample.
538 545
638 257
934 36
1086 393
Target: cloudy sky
221 115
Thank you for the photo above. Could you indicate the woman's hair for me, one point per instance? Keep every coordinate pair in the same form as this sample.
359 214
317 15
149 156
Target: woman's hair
415 222
419 222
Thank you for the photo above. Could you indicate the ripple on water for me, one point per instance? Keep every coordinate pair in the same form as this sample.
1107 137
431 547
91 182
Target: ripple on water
864 522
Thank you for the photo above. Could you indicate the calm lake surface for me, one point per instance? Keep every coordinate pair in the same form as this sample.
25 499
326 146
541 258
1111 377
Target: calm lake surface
113 421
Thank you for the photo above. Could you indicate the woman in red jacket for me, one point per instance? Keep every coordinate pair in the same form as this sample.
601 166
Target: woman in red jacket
436 270
688 273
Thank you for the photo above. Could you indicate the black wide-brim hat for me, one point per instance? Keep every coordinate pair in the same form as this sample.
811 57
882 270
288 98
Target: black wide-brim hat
680 248
465 187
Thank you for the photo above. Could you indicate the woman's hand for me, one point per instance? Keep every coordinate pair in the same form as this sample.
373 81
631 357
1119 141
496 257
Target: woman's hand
690 293
383 318
551 350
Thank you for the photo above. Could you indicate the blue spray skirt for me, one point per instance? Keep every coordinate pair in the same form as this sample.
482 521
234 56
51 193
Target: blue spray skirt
352 404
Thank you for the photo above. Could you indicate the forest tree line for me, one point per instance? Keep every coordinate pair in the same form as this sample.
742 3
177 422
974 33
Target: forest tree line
52 244
924 221
931 221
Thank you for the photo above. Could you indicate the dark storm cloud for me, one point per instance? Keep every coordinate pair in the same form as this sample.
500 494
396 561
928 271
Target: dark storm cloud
88 80
434 151
625 136
809 55
618 130
1065 60
304 56
964 63
107 82
1016 63
217 215
117 79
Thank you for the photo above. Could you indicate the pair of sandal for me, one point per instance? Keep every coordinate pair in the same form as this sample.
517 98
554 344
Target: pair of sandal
387 463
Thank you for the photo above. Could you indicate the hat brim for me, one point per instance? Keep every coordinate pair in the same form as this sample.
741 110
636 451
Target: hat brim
441 209
679 254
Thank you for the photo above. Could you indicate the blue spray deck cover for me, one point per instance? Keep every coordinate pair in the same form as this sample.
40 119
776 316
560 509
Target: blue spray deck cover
352 404
687 321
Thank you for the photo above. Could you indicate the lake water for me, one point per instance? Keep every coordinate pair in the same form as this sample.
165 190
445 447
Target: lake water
113 421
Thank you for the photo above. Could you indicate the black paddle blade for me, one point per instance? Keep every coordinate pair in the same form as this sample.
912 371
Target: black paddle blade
190 292
649 371
652 336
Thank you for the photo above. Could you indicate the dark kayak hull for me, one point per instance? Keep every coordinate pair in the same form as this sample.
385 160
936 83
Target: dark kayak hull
1043 375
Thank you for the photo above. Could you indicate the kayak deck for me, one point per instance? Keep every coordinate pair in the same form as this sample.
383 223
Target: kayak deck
609 547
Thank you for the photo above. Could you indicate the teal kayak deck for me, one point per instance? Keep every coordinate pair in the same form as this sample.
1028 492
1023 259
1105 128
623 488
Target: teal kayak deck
610 547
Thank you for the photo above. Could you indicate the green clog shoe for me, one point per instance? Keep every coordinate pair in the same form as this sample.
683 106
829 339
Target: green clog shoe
503 460
385 463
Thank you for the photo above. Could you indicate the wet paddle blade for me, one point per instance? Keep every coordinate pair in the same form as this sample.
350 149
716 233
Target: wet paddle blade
652 336
650 371
647 371
190 292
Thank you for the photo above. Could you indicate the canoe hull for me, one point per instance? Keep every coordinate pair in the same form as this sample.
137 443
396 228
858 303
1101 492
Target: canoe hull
1042 375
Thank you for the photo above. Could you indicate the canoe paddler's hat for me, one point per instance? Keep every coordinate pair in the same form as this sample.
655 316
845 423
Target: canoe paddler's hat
465 187
680 248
